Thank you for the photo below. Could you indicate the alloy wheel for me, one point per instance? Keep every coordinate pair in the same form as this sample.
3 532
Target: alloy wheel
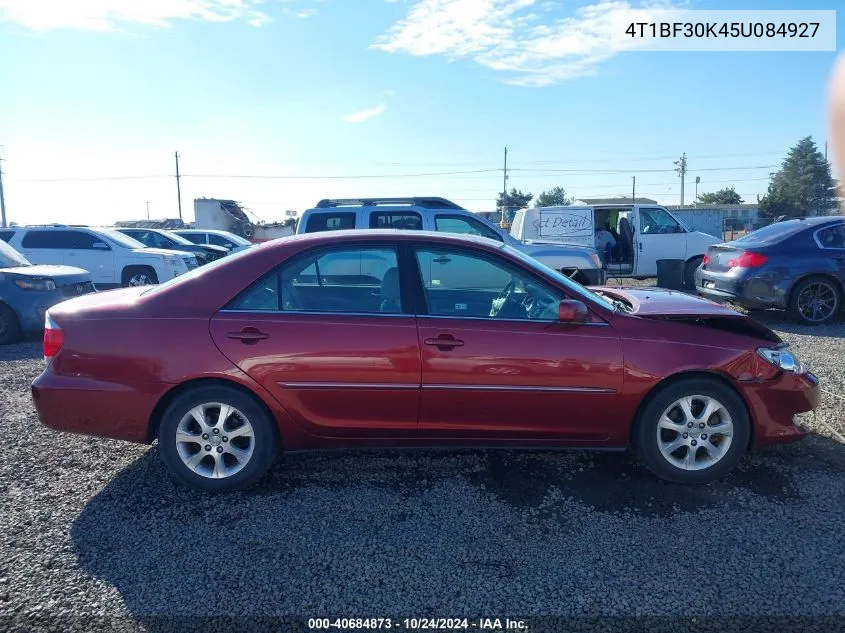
817 301
694 432
215 440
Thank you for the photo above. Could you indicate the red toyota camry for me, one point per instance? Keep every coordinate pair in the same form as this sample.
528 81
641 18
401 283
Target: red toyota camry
391 338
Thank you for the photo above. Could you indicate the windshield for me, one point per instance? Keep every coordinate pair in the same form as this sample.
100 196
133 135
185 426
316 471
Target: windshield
10 258
574 288
123 240
198 272
176 238
772 233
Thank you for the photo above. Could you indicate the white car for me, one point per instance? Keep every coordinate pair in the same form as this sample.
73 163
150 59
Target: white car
215 237
112 258
580 263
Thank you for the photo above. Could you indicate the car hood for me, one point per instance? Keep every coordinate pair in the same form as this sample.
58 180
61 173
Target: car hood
663 302
679 307
162 251
62 273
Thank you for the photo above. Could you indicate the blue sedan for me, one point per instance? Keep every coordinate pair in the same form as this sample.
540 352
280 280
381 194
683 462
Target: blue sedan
26 291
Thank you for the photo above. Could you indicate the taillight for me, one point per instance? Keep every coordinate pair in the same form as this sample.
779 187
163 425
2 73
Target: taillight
54 337
747 259
706 259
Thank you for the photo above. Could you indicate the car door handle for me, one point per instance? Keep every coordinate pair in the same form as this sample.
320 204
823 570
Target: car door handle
444 342
248 336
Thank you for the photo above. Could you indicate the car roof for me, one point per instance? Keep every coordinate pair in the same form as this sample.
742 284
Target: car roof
357 235
215 231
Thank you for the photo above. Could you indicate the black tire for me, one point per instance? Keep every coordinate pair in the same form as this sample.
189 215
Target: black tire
645 434
133 272
10 329
794 308
265 439
689 273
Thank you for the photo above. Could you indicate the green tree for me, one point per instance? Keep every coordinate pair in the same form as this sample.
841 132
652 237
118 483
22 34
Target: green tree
803 186
516 199
728 195
554 197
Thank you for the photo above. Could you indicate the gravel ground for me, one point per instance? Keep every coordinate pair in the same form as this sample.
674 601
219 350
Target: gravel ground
97 537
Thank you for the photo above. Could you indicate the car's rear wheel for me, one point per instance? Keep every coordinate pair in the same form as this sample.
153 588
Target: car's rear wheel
689 273
10 329
217 438
693 431
815 301
139 276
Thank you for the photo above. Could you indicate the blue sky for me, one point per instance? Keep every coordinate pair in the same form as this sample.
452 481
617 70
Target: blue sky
99 89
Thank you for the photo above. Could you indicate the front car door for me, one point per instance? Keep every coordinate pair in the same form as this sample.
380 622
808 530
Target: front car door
658 236
497 363
91 252
831 240
327 334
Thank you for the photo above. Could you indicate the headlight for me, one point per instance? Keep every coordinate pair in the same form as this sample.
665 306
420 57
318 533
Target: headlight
781 358
35 284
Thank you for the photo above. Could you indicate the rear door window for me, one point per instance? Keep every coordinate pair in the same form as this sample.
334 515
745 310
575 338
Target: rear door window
219 240
406 220
832 237
334 221
196 238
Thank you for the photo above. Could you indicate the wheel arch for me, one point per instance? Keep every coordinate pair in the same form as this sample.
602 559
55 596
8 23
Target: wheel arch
667 382
129 268
821 275
177 390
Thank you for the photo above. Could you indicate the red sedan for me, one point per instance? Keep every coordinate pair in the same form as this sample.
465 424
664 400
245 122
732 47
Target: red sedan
391 338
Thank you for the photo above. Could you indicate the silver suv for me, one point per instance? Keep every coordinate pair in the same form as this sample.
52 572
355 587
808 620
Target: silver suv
581 263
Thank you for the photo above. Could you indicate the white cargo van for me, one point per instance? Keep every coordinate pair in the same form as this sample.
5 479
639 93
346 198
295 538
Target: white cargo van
643 234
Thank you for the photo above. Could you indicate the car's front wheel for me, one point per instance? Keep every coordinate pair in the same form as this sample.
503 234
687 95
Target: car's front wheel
693 431
217 438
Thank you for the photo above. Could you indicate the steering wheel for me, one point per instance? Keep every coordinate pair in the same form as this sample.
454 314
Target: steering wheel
503 298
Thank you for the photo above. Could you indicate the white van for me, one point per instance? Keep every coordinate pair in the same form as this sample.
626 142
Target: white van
643 234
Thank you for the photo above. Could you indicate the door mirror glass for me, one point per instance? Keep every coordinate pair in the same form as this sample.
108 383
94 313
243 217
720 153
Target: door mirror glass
571 311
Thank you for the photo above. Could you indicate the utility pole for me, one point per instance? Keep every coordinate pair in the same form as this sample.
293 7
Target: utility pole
825 151
178 186
634 190
148 210
504 187
2 199
682 170
697 180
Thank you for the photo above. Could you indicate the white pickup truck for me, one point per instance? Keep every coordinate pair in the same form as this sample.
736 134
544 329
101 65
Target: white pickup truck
643 235
579 262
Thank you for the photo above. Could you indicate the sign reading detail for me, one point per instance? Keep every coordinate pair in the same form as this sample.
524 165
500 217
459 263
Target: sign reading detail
571 225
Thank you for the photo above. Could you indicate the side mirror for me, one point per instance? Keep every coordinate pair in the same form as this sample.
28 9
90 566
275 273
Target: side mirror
570 311
100 246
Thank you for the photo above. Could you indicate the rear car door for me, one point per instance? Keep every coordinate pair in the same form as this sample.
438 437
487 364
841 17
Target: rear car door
327 335
831 240
657 236
496 362
90 252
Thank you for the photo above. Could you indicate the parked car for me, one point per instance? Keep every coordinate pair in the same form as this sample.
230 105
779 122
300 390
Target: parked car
581 263
26 291
643 234
112 258
277 354
231 242
170 241
796 265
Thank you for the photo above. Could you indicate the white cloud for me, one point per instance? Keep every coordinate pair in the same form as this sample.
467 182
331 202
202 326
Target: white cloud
510 37
106 15
365 115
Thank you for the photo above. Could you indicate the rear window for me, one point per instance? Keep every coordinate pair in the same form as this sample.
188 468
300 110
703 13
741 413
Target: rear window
773 232
6 235
337 221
